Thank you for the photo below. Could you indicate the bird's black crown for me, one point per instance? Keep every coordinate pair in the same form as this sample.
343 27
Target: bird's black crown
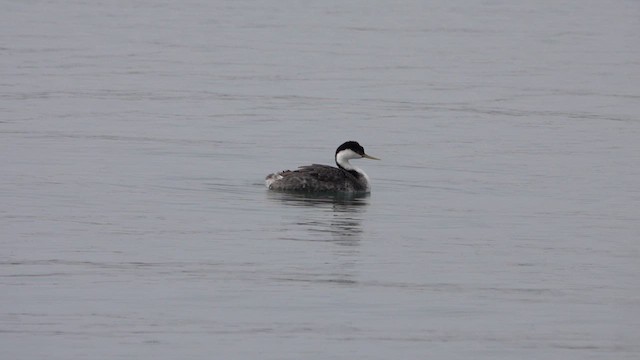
352 145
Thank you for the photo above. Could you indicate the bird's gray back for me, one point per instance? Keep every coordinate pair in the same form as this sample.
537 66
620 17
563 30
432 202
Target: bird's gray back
316 178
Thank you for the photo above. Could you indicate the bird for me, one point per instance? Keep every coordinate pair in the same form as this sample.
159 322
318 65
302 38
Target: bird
317 178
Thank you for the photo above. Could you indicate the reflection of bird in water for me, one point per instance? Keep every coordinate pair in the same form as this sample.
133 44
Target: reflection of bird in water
340 216
323 218
324 178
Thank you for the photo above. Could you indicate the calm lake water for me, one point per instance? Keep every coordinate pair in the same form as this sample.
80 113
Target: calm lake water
503 223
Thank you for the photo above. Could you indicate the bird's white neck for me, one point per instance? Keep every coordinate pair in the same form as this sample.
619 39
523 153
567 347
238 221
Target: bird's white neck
343 157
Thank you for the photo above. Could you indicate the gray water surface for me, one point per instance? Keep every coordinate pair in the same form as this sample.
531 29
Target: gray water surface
503 221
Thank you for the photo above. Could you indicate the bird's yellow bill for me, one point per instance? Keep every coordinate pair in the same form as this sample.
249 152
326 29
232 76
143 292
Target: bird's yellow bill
370 157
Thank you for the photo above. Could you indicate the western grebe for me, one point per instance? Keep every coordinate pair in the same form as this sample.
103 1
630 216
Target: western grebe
325 178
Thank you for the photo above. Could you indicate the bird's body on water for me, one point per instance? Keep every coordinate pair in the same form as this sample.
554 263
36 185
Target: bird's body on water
325 178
